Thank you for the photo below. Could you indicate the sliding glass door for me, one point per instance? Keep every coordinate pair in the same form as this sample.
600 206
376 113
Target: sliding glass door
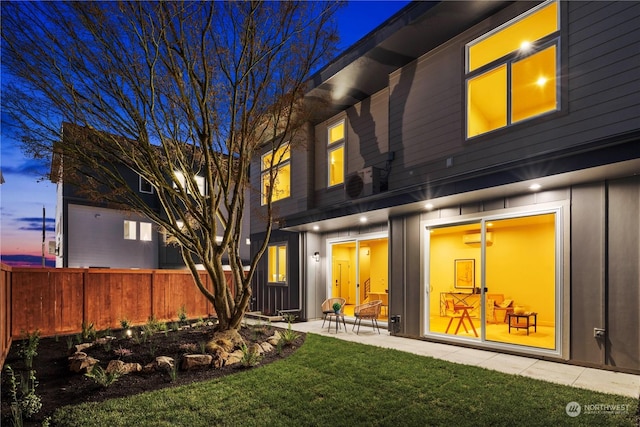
495 280
359 272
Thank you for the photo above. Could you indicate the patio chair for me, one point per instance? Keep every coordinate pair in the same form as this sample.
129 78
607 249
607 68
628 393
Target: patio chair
328 312
368 311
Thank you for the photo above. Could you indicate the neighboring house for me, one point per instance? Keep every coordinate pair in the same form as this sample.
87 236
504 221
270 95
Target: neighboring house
90 234
483 155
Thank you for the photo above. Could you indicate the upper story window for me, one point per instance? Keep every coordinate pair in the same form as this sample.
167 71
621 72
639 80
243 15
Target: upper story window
144 185
276 170
512 72
277 259
335 153
180 178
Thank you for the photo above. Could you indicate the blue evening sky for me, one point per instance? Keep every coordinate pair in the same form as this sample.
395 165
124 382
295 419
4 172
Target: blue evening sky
24 193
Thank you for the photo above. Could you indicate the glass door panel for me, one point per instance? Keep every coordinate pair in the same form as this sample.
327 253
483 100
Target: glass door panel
454 280
520 280
373 273
359 273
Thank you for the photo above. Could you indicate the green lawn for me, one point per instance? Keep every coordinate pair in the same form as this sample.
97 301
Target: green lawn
334 382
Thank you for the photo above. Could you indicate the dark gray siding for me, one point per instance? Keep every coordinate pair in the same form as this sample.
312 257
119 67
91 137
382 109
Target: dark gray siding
601 98
623 287
405 290
605 273
301 173
270 297
588 234
366 144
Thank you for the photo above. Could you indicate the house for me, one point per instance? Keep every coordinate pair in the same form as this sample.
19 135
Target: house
477 171
90 233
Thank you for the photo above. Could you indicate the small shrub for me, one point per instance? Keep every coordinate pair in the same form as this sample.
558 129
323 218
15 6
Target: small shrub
173 373
122 352
182 315
102 377
29 347
153 347
289 317
288 336
152 326
24 401
249 358
69 342
125 323
88 331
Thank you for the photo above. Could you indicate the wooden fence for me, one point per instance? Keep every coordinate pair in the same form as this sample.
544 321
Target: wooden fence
58 301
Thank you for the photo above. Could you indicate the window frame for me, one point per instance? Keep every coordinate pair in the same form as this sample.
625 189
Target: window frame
275 165
507 60
336 145
130 231
278 246
142 181
143 233
200 183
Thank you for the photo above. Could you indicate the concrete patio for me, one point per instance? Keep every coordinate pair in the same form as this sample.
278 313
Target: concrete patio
571 375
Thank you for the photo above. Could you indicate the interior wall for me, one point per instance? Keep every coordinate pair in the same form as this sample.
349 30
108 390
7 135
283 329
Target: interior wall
521 266
379 266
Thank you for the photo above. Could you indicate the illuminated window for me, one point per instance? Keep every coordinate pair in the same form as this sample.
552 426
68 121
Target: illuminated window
336 154
276 171
181 180
129 230
512 72
145 232
277 258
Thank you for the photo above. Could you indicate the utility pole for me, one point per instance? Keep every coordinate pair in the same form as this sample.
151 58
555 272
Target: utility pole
43 235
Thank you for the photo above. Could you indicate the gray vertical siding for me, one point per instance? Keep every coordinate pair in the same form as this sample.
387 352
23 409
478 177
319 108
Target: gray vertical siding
588 235
405 264
623 288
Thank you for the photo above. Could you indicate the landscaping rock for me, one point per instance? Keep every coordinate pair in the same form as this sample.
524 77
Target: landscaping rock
266 347
220 359
274 339
231 336
256 348
81 363
123 368
165 363
196 361
80 348
234 358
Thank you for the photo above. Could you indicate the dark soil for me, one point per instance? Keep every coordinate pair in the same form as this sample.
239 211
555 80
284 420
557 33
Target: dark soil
58 386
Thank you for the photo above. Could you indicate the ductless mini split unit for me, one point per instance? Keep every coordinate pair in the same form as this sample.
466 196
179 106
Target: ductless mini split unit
476 238
363 183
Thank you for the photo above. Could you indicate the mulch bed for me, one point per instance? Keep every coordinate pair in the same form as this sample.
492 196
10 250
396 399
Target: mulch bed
58 386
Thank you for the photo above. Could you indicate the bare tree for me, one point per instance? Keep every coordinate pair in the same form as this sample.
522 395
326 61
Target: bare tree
168 90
